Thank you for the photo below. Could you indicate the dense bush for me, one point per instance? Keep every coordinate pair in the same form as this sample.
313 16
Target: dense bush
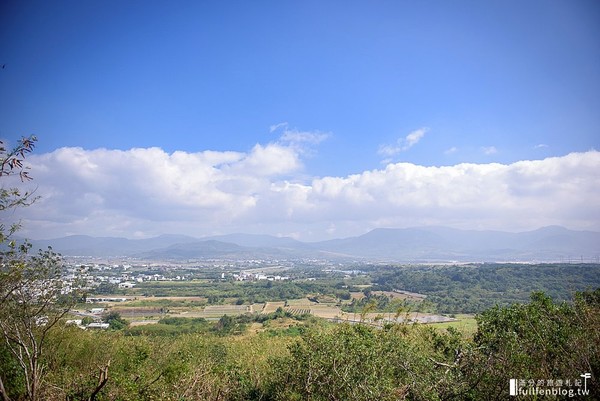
538 340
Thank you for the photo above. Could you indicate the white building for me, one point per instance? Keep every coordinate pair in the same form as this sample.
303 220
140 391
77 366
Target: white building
98 326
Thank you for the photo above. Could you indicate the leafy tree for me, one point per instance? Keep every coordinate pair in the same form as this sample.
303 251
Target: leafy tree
115 321
11 255
33 295
35 305
11 164
225 325
106 288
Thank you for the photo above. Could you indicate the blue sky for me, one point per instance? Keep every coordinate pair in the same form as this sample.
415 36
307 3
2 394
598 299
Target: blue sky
357 85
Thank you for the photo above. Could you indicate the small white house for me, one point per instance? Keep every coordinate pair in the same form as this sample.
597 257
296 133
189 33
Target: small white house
98 326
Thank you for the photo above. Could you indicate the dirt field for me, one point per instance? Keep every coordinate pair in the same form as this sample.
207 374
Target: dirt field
227 309
414 317
326 312
132 313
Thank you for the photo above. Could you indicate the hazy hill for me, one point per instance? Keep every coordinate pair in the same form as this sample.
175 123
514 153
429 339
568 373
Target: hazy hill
447 244
420 244
386 243
84 245
206 249
260 240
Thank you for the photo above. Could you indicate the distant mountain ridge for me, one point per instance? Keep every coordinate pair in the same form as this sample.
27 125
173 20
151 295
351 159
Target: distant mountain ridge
447 244
85 245
418 244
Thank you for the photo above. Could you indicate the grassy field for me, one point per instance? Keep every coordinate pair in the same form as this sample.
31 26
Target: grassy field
465 323
169 302
213 312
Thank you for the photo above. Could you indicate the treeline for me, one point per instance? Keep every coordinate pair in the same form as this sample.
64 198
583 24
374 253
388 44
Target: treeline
226 325
477 287
383 303
541 339
246 292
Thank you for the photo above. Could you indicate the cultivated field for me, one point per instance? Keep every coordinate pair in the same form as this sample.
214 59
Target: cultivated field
148 310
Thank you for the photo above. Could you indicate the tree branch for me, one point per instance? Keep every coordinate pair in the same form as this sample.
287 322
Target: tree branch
102 380
3 393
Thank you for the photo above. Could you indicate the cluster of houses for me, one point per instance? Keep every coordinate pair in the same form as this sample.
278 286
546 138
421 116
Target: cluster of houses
97 326
94 275
95 314
89 326
93 300
245 276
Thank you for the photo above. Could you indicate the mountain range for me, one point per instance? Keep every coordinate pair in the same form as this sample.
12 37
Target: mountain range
419 244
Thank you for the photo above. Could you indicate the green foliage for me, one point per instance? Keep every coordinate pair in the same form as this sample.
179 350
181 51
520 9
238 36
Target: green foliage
475 288
172 326
217 292
33 295
188 366
106 288
167 303
115 321
229 325
358 362
34 303
11 372
290 331
541 339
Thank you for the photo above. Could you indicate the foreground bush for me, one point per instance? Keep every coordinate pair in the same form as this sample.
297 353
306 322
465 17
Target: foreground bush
357 362
539 340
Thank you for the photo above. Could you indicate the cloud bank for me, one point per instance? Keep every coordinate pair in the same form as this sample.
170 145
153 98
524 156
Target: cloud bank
146 192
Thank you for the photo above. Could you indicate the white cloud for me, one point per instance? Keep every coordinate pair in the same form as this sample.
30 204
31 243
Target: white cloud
540 146
389 150
489 150
301 142
451 150
403 144
414 137
149 192
275 127
302 137
269 160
